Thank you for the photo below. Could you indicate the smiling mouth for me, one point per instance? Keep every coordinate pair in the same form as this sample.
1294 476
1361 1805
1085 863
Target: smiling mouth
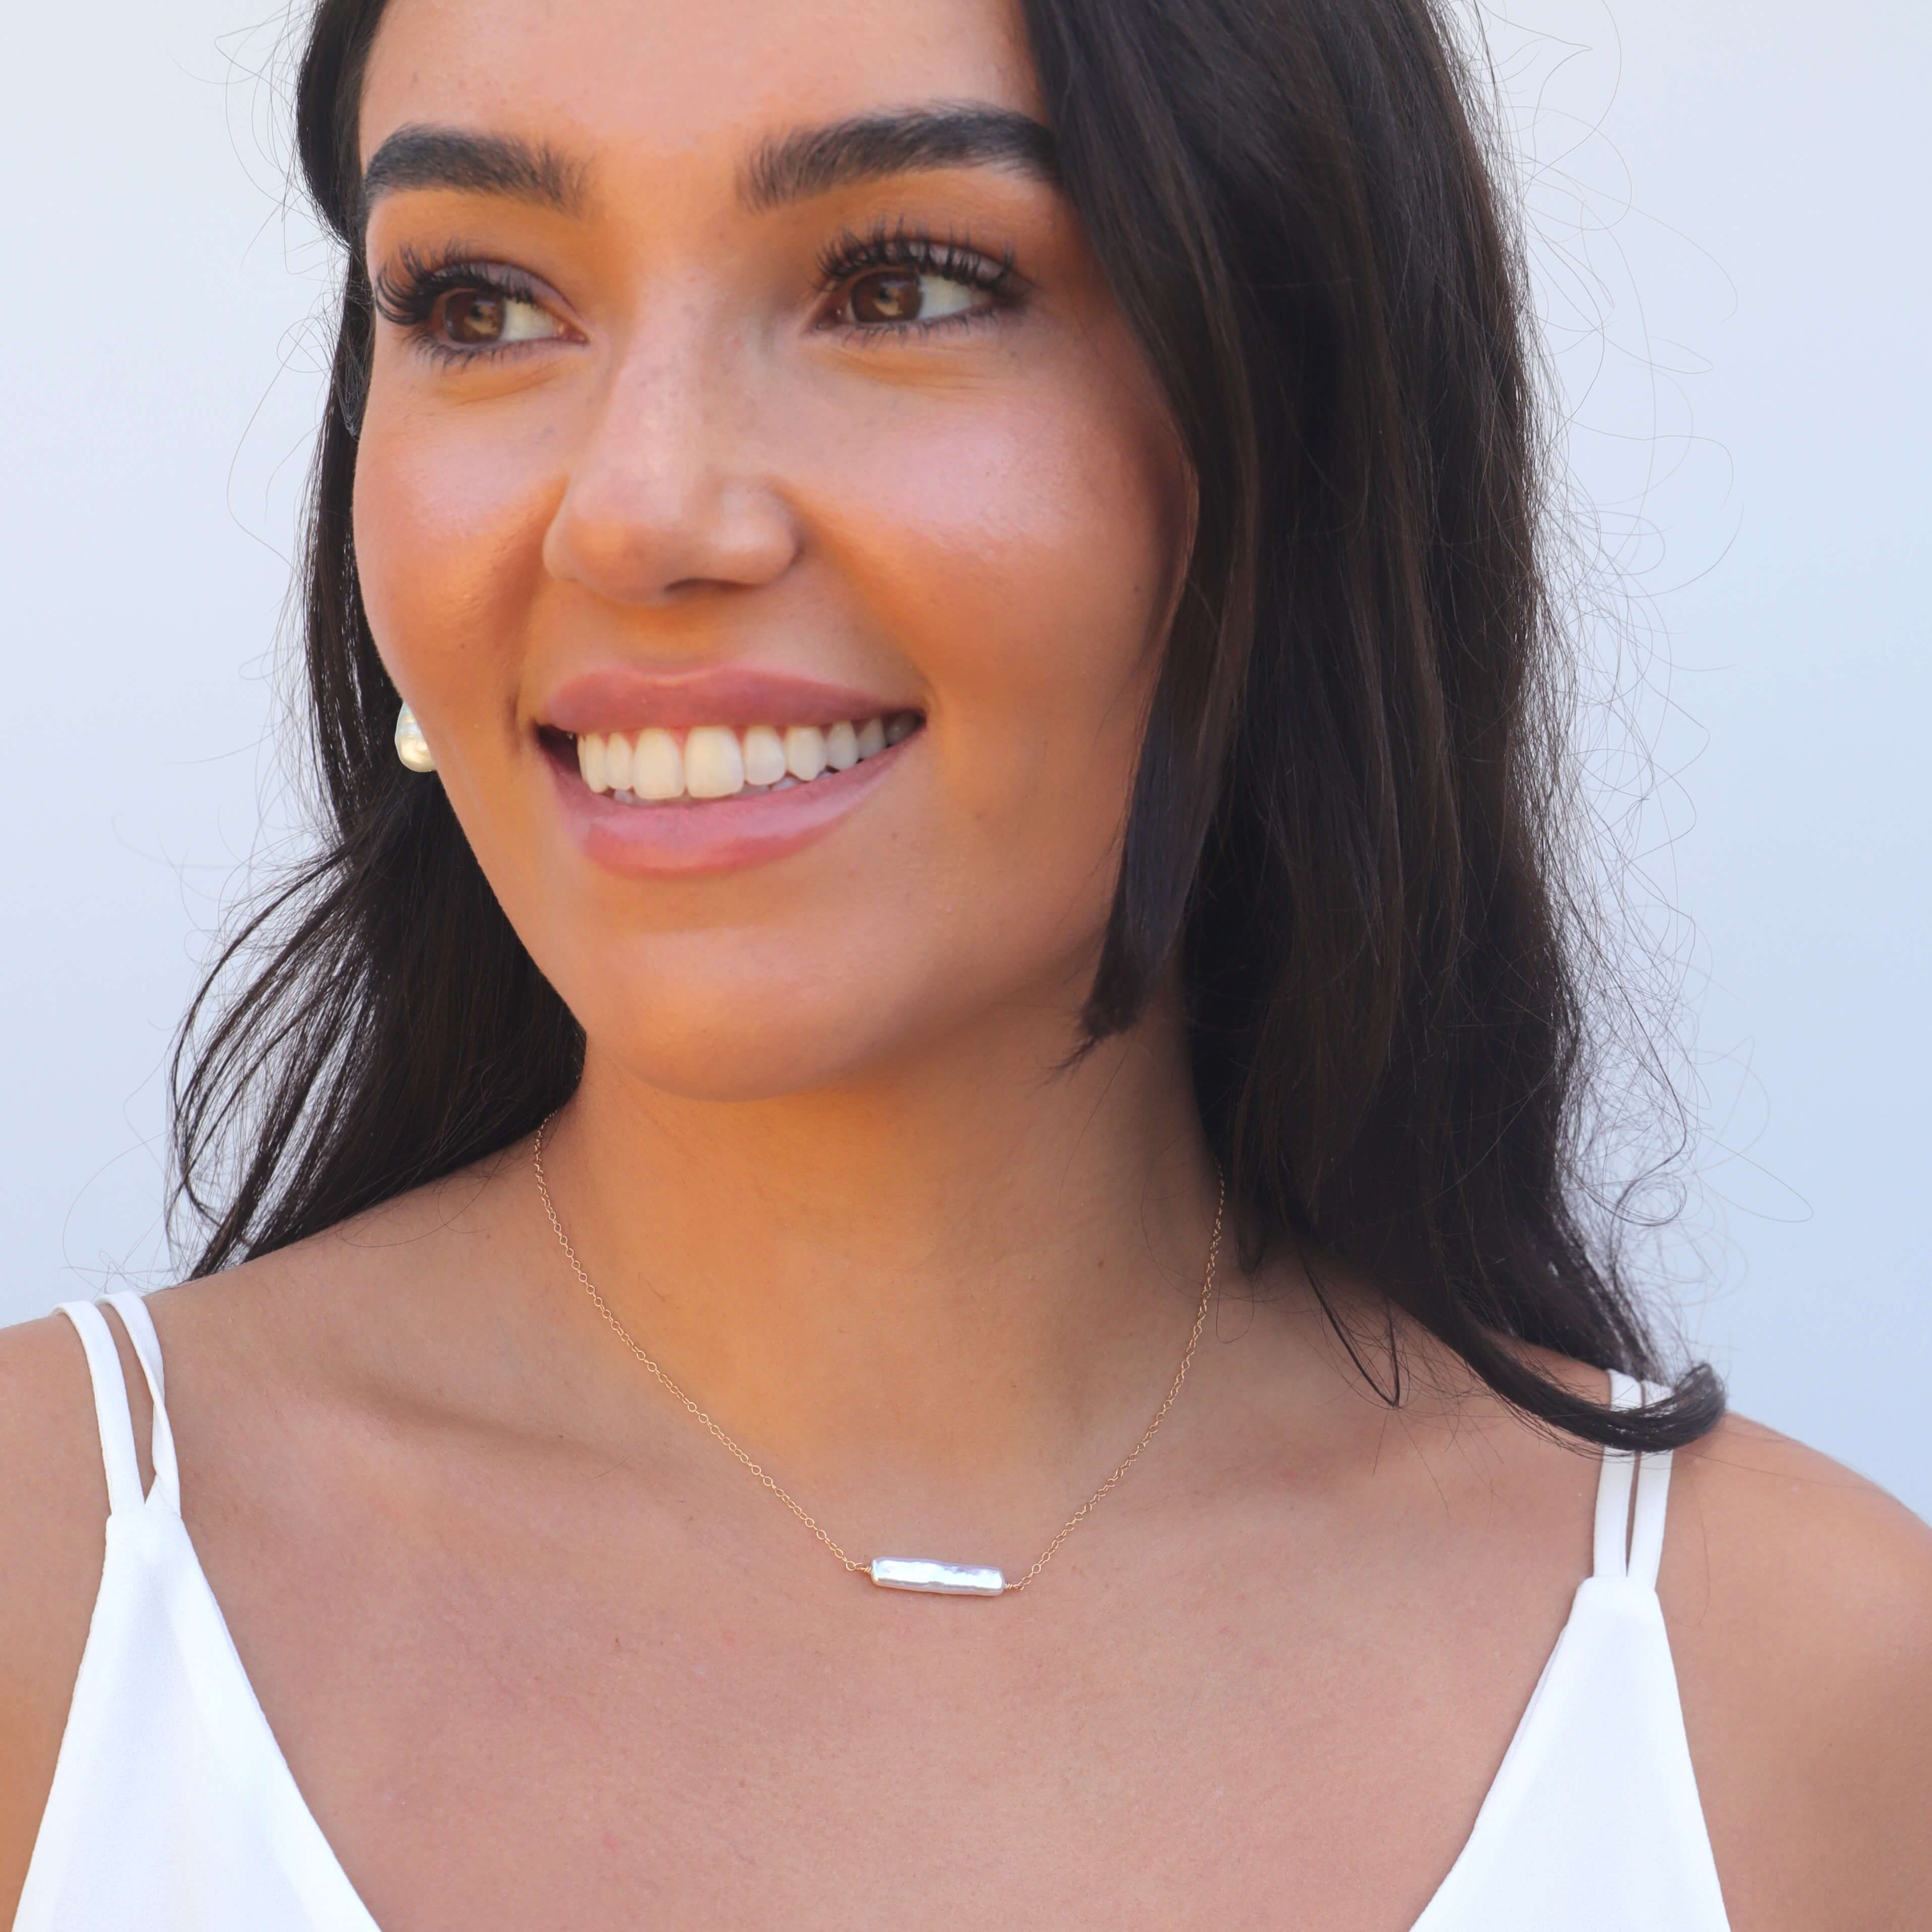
701 762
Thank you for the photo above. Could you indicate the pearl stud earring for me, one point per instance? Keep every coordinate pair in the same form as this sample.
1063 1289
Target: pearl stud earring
412 747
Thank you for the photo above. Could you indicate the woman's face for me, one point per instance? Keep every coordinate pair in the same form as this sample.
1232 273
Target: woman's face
745 402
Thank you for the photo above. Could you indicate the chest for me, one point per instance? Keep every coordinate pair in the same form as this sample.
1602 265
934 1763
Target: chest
555 1717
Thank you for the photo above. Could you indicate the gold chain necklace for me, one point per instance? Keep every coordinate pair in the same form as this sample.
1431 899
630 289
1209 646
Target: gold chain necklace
896 1572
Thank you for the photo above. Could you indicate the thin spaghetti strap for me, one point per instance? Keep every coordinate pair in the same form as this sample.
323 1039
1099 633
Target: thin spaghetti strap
1653 1492
110 1407
1630 1544
140 1324
1613 1489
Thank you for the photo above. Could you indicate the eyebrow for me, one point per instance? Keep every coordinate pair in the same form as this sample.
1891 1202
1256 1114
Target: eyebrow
903 140
782 170
454 157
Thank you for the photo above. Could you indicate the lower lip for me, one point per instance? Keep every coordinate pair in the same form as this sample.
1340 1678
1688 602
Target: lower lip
686 837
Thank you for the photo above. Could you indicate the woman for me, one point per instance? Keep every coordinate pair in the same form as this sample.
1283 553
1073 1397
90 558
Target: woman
977 873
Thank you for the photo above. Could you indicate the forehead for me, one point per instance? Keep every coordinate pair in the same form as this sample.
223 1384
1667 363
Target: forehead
683 80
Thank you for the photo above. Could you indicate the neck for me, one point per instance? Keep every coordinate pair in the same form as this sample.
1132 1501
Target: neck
965 1275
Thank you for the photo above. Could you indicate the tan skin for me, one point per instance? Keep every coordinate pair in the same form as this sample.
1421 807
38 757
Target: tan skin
538 1653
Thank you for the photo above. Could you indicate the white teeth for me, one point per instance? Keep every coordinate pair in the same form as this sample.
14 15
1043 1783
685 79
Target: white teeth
657 770
590 761
842 747
617 762
714 761
764 756
805 751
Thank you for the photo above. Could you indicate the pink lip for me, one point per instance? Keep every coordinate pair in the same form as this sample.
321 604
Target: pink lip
685 837
619 697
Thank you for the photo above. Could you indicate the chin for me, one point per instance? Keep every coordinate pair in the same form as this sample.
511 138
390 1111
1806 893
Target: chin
727 1039
735 1043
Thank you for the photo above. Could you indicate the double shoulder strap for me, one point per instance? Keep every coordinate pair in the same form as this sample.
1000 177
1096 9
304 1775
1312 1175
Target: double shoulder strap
110 1401
1630 1542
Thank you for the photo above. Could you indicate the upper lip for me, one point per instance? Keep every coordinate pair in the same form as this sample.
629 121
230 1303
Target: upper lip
623 697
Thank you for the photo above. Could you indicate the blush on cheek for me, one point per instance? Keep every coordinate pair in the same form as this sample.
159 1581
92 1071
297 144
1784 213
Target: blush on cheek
1028 567
448 521
1024 575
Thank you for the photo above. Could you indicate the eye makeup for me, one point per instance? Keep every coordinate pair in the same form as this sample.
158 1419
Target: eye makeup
896 281
459 309
892 260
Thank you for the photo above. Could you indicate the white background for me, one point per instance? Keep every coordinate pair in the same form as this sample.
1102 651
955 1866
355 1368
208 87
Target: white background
1730 202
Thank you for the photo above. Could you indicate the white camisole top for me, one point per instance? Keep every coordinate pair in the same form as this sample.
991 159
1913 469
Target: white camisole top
173 1809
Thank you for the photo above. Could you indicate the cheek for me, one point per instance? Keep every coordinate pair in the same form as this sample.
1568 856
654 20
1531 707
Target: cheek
448 523
1025 556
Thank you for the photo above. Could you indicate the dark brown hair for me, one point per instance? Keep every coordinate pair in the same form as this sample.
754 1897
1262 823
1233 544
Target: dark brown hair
1348 817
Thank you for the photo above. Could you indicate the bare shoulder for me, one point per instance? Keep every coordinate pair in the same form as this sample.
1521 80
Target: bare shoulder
53 1504
1798 1599
53 1510
271 1353
329 1320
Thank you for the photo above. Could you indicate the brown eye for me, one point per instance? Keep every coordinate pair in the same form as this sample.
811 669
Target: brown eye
892 298
480 319
892 294
472 317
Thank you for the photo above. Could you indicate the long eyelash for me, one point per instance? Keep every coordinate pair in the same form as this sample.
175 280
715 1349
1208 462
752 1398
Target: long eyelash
407 289
902 246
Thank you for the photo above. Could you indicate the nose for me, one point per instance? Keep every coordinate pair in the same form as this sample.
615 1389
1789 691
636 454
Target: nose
666 493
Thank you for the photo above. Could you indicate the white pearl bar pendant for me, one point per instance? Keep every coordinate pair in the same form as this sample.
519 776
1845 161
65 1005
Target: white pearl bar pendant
941 1579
